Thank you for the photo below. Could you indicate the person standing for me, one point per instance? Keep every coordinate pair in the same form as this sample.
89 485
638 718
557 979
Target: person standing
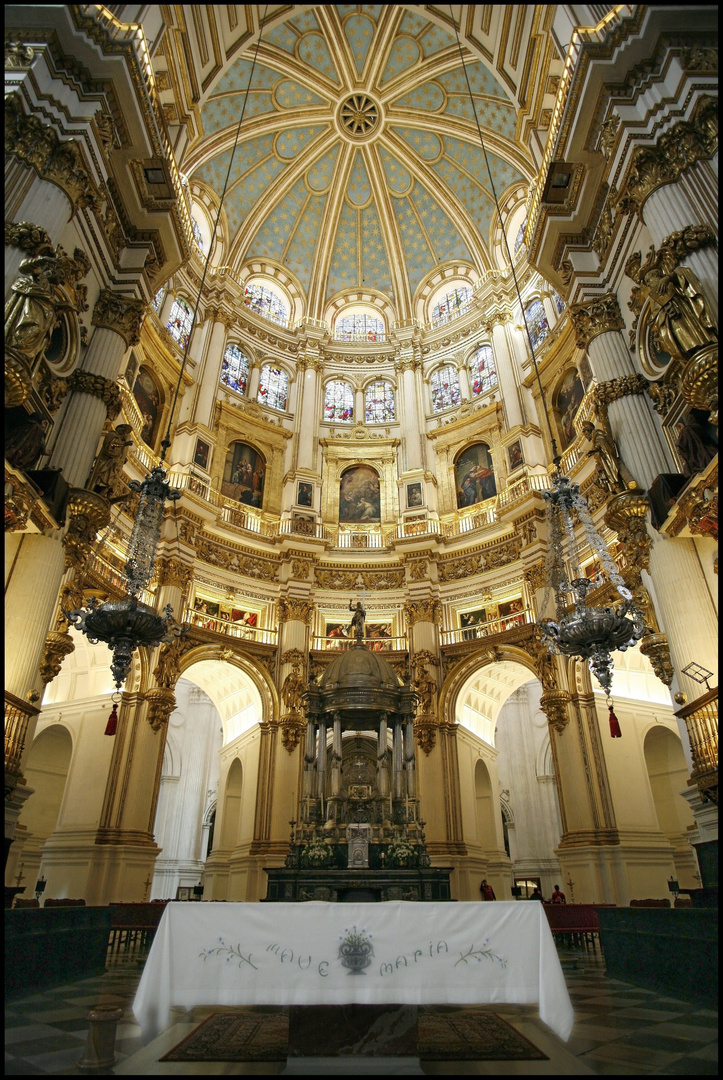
536 894
558 897
487 891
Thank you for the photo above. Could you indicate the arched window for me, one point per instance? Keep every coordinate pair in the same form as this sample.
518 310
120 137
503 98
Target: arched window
520 238
445 388
483 375
266 302
158 300
379 402
273 387
338 402
180 322
452 304
359 327
537 322
197 235
235 369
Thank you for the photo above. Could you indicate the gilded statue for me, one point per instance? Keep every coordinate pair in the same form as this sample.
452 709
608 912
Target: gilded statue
424 687
105 477
682 320
613 474
293 689
32 310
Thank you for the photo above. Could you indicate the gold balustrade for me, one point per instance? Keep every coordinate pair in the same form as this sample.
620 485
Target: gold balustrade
18 714
701 721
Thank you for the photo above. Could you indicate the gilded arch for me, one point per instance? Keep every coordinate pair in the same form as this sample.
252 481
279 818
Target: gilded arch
471 664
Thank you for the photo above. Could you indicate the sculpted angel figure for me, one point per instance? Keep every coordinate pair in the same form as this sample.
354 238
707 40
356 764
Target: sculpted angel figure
292 690
424 687
682 320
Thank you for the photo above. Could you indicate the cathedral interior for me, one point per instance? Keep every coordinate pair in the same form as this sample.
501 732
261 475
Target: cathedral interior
239 246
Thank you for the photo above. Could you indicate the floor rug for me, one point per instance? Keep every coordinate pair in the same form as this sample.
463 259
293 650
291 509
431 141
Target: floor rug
250 1035
471 1035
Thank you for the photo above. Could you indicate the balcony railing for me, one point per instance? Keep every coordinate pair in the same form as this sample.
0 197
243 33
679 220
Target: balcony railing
488 629
375 644
18 714
221 625
407 529
701 721
359 540
370 337
298 527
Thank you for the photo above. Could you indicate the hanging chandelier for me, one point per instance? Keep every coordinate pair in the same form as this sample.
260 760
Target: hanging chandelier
580 628
127 624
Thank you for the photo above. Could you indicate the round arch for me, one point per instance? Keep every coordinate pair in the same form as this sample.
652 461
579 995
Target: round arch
257 674
472 665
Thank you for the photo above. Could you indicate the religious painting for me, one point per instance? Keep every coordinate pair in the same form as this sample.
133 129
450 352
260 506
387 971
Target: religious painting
243 475
304 494
509 612
336 631
148 399
200 456
474 475
414 495
514 453
183 892
304 524
380 634
471 620
359 497
569 397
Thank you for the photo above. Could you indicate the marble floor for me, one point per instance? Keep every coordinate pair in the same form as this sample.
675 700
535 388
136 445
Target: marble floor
619 1030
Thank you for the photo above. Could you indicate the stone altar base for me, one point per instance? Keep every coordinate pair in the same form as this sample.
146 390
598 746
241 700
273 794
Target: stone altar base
358 886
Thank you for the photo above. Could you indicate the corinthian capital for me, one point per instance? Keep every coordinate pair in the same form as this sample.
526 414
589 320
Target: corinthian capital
123 314
599 316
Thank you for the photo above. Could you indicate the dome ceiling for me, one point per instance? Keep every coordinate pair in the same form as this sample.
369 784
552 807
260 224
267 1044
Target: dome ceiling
359 164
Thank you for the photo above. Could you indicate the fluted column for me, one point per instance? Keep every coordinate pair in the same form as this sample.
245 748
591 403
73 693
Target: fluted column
336 756
398 760
24 237
308 410
359 407
382 761
29 604
410 419
505 366
209 371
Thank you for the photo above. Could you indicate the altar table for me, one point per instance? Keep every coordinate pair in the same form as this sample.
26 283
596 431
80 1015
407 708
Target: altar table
315 953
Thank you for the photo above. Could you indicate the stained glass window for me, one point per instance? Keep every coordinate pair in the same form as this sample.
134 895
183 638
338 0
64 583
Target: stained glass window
483 375
158 300
537 322
359 327
273 387
379 402
180 321
559 302
235 369
451 305
338 402
445 388
265 302
197 234
520 239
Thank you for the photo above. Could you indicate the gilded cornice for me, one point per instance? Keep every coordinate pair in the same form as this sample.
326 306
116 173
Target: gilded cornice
236 559
594 317
491 558
677 150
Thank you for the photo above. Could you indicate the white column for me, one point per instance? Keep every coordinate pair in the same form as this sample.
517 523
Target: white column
634 424
359 408
668 210
211 347
254 377
308 410
29 604
47 206
412 426
84 416
505 366
464 387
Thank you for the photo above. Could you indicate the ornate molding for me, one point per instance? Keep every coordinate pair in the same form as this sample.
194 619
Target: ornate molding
161 703
295 609
18 56
688 142
122 314
33 141
423 611
599 316
168 666
535 577
88 513
28 237
57 647
625 386
554 705
655 647
174 572
626 514
425 729
237 561
292 729
699 381
490 559
86 382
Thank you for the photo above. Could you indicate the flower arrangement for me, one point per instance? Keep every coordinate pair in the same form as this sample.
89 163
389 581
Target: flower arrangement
316 852
401 853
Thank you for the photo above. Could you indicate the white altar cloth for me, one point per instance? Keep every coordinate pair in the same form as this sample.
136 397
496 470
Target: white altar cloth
306 953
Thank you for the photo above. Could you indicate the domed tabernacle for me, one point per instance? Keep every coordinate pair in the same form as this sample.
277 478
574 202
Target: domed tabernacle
358 667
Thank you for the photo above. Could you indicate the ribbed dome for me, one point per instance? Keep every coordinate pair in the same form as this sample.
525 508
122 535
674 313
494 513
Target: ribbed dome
358 667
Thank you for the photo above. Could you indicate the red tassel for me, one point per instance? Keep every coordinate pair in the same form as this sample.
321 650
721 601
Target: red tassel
615 732
112 725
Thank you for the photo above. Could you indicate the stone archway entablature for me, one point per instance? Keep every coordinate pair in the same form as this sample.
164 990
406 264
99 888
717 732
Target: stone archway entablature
472 664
